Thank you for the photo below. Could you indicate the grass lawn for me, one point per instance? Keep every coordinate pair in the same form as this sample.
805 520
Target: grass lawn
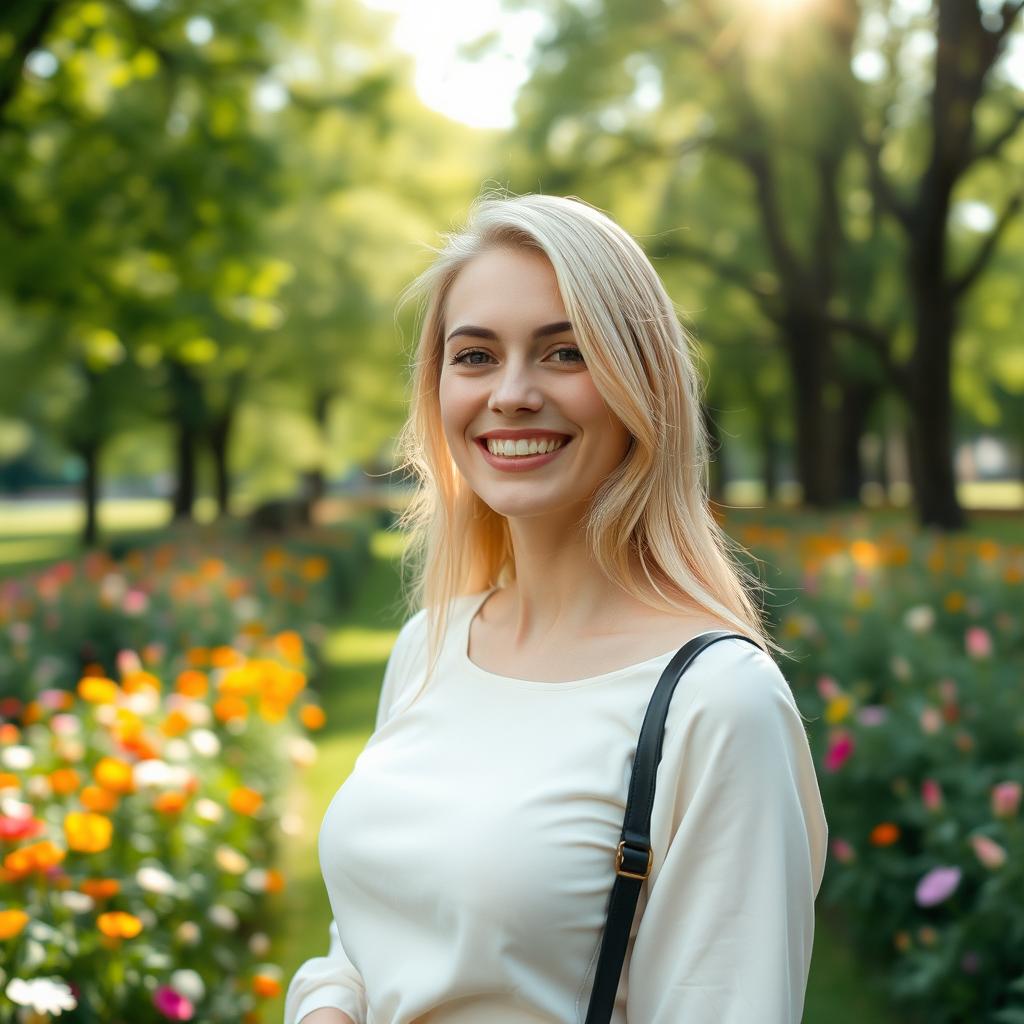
839 990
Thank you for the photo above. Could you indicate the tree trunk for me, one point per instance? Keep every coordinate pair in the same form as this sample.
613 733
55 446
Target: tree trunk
314 481
90 454
809 348
931 404
716 457
858 398
185 484
219 436
769 448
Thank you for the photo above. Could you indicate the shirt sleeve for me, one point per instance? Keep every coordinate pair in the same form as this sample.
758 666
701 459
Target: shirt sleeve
333 980
727 926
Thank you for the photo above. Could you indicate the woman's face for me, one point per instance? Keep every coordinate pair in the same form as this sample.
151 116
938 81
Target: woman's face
510 363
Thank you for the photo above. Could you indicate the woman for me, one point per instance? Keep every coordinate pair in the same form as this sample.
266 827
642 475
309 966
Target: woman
565 551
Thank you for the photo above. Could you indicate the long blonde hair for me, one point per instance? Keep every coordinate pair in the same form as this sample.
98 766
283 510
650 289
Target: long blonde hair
640 359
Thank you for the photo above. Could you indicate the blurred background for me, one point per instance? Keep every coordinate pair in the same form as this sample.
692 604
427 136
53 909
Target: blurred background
207 213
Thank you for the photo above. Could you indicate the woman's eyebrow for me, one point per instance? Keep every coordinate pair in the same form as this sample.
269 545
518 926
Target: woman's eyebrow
471 331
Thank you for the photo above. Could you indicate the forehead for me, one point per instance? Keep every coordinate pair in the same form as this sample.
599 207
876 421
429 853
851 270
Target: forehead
504 284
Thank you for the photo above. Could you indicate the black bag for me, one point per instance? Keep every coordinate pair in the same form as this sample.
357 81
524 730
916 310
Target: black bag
633 856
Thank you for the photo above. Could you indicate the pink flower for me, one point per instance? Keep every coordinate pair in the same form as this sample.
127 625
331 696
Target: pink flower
839 751
843 851
1006 799
937 885
872 714
135 602
931 794
127 662
172 1004
931 720
828 688
978 642
989 852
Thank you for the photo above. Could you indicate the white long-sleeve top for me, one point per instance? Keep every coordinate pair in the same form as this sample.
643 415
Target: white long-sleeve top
468 858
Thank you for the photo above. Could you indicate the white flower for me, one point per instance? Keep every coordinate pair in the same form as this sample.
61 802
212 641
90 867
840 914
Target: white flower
230 860
77 902
259 943
205 742
301 751
291 824
919 619
13 808
44 995
17 757
154 879
143 702
39 786
222 916
209 810
187 933
256 880
177 749
189 983
151 772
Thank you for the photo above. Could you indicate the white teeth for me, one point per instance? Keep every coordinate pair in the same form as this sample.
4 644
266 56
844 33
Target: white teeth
522 446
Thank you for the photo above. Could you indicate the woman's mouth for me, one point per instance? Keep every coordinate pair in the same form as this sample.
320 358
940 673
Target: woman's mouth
520 463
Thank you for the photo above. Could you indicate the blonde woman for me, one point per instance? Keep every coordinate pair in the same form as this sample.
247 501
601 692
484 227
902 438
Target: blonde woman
564 551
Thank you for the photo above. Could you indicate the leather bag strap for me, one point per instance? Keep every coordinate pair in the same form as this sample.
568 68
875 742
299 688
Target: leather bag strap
633 857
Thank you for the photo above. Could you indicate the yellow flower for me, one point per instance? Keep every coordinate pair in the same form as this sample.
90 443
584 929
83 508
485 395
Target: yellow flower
838 708
11 923
114 774
117 924
87 832
98 690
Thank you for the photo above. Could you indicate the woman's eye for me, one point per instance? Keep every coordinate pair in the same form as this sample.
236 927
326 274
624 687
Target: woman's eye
463 356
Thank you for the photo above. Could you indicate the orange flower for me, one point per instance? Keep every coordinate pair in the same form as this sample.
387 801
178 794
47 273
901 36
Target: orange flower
87 832
114 774
33 712
954 601
64 780
134 682
225 657
176 723
116 924
277 586
240 680
226 708
11 923
885 834
192 683
98 689
315 568
100 888
243 800
169 803
275 558
197 656
289 646
265 986
311 716
9 779
275 880
35 857
9 732
96 798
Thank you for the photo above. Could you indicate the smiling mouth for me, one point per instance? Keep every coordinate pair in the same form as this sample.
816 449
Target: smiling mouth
482 442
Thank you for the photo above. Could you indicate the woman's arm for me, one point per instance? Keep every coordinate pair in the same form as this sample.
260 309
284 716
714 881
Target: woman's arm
327 1015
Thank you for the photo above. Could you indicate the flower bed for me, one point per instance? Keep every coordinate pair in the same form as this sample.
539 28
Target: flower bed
911 666
136 823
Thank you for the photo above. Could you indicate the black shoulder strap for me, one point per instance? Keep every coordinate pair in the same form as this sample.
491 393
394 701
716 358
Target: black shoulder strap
633 856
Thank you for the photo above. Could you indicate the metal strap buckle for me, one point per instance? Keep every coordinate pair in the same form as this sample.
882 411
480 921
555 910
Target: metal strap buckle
632 874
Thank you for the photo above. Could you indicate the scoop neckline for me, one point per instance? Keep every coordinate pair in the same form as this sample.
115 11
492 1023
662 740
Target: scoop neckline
541 684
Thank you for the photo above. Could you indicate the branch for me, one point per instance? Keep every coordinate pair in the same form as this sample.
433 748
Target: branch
996 143
878 340
987 248
765 295
24 43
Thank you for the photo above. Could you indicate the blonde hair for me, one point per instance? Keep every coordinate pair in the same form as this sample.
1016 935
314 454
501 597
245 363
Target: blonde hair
640 359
